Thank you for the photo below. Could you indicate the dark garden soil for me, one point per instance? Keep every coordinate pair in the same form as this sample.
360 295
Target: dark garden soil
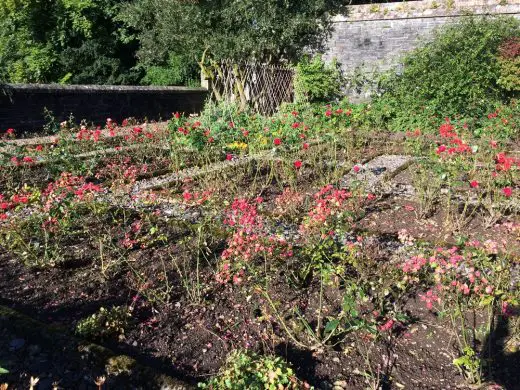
190 341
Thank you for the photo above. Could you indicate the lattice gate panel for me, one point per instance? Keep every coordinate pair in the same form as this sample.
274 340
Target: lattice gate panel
262 87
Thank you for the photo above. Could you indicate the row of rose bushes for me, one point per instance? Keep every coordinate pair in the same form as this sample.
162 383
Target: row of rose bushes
225 128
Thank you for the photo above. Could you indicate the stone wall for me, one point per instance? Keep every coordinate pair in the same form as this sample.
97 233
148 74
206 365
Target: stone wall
22 105
374 36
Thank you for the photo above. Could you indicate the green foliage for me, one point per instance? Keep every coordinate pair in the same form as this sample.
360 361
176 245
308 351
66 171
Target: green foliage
224 121
34 246
456 73
509 60
244 370
510 74
177 71
316 81
224 126
106 323
119 42
469 364
267 31
502 123
44 41
222 113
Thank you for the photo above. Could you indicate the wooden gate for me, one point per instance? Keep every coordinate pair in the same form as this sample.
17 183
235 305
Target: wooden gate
261 87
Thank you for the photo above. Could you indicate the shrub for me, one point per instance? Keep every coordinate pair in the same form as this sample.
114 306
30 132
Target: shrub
244 370
105 323
315 81
509 60
456 73
177 71
220 123
464 280
501 123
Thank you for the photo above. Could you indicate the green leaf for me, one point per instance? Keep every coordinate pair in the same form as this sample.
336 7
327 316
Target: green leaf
331 326
487 300
3 371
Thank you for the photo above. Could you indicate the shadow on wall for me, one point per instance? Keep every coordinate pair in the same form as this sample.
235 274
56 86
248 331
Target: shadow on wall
22 106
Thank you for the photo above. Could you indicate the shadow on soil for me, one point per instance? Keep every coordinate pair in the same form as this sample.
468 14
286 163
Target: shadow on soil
504 368
51 337
302 361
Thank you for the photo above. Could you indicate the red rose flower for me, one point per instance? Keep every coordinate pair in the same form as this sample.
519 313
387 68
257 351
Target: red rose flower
474 184
297 164
441 149
277 141
508 191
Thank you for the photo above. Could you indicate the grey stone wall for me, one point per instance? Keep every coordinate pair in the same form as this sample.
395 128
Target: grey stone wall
374 37
22 105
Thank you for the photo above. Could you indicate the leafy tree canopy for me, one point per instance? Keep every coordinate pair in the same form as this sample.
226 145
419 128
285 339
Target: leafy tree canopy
268 30
63 40
151 41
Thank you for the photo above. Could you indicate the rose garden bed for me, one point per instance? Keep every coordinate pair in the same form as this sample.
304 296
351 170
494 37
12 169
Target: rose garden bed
361 258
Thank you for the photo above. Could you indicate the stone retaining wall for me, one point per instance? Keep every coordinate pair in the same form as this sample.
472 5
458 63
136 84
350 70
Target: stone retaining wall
373 37
22 106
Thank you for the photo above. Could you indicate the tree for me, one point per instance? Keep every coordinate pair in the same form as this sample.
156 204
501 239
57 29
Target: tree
267 31
64 40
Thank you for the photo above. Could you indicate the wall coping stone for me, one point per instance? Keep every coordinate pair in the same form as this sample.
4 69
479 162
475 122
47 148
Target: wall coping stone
427 9
51 88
